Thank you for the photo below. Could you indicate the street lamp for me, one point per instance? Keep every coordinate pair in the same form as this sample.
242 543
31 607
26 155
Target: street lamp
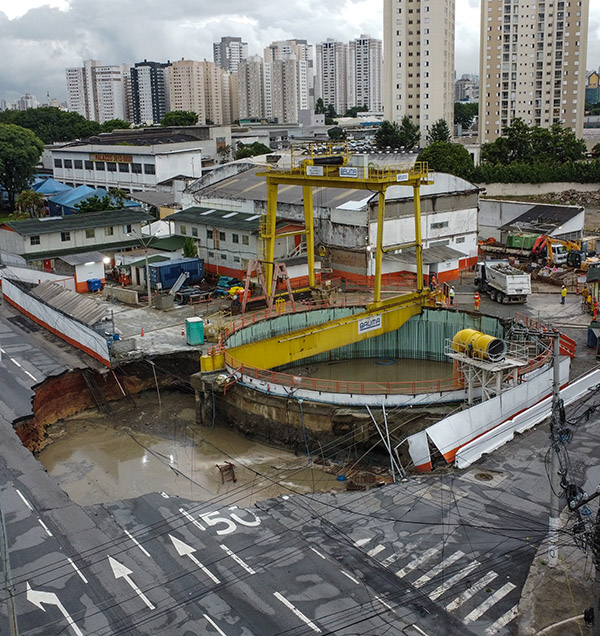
145 244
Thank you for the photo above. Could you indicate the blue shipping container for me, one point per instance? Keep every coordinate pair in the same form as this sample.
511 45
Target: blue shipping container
164 275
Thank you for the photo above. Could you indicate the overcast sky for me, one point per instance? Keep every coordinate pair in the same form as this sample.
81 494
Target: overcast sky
39 39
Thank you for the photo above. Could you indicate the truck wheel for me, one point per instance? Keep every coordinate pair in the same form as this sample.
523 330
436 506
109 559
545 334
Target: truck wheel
500 297
493 294
505 300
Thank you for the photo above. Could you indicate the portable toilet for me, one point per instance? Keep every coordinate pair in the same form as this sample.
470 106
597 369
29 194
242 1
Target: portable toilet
194 331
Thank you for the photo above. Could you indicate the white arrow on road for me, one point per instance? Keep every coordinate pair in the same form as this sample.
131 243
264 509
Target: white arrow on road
183 549
121 571
37 597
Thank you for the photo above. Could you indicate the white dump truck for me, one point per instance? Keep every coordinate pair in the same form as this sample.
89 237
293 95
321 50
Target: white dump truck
503 282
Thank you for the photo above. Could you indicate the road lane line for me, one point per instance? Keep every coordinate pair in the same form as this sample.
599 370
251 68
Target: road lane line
70 560
30 375
139 545
489 602
210 620
503 621
24 500
350 577
413 565
386 605
318 553
440 567
45 527
18 364
361 542
237 559
189 517
376 550
446 585
296 611
467 594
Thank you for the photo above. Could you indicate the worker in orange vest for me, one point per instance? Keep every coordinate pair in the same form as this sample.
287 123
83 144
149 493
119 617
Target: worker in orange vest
477 300
595 310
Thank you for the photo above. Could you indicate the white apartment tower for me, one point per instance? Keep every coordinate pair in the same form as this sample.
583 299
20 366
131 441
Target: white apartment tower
532 64
332 75
251 88
229 52
365 65
418 41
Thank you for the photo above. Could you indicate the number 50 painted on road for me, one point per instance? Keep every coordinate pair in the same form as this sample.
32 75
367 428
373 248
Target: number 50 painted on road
210 519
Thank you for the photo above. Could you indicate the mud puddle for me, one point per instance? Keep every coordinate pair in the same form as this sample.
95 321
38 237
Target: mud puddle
101 458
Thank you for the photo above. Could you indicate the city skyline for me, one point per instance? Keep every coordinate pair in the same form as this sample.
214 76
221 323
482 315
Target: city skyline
40 39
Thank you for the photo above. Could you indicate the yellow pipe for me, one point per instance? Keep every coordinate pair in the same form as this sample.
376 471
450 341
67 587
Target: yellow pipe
418 239
479 345
307 194
379 246
270 232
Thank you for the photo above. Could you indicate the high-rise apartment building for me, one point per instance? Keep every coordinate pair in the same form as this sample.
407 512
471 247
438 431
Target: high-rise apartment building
229 52
149 92
332 75
418 41
251 88
532 64
365 65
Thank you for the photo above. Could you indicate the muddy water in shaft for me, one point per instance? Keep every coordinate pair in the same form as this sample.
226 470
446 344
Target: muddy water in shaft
98 459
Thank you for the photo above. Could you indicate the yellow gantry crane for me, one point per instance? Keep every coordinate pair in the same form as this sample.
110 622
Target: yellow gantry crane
331 165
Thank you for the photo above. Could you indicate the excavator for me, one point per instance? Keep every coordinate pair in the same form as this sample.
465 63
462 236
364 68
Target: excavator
579 254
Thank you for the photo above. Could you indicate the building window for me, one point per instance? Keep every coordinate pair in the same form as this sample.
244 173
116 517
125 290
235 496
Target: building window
235 238
65 236
109 231
439 225
245 240
78 164
460 239
111 166
223 257
211 254
236 259
209 234
90 233
195 232
183 229
123 167
222 236
99 165
89 165
136 168
149 168
127 229
67 163
58 163
34 240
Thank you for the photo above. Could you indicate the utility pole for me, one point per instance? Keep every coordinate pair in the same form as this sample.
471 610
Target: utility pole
12 615
555 486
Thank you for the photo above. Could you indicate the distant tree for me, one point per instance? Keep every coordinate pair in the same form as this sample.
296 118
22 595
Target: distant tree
113 124
330 112
447 157
409 134
224 153
319 107
118 197
336 133
190 249
251 150
439 132
353 112
96 204
388 135
465 113
20 151
52 124
29 205
596 151
180 118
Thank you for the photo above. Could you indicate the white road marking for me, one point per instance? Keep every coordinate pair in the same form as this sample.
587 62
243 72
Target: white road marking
210 620
139 545
489 602
502 621
438 568
189 517
296 611
70 560
24 500
386 605
183 549
237 559
13 360
45 527
318 553
122 571
413 565
38 598
361 542
164 494
376 550
350 577
30 375
446 585
467 594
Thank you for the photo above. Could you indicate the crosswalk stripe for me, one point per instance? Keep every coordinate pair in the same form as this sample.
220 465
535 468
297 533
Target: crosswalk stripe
453 580
417 562
361 542
489 602
376 550
438 568
467 594
408 549
502 621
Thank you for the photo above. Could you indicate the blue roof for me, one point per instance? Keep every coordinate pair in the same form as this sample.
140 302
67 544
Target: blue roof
50 186
73 196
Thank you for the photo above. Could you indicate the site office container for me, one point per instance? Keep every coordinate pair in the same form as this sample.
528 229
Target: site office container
164 275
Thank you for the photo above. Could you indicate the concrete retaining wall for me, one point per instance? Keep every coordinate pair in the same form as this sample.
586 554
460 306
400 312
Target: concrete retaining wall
522 189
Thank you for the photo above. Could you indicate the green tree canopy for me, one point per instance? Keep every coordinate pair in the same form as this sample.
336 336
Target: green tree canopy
465 113
353 112
336 133
319 107
52 124
405 135
113 124
180 118
20 151
29 205
439 132
447 157
251 150
96 204
190 249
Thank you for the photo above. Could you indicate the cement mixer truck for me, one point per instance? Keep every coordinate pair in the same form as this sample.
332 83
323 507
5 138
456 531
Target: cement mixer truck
503 282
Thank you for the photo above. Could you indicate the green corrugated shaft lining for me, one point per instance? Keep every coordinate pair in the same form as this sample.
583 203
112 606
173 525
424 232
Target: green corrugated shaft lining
422 337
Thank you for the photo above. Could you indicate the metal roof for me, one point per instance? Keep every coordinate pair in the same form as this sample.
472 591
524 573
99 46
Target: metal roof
81 308
82 258
151 197
157 258
431 255
545 218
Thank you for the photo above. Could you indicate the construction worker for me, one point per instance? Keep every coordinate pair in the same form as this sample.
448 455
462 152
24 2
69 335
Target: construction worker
451 295
584 294
563 294
595 309
476 300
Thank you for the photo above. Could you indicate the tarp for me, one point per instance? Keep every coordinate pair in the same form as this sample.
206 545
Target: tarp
50 187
